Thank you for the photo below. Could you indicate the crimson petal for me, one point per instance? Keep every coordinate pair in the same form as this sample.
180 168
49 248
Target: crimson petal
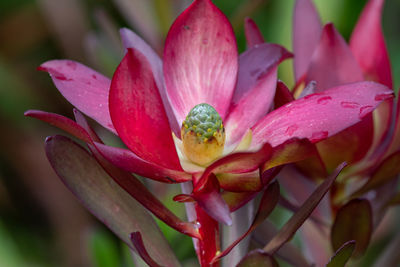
83 87
200 60
138 113
320 115
132 40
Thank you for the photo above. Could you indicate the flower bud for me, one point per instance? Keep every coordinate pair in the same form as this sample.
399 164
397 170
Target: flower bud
203 135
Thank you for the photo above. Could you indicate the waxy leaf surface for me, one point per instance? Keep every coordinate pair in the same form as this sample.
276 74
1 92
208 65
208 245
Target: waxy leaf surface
104 198
353 222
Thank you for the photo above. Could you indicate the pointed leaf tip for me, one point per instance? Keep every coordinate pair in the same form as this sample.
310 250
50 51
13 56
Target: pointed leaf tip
137 241
342 255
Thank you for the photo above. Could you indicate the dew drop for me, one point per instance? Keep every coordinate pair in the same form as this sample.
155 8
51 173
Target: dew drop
365 110
382 97
318 136
291 129
348 104
205 41
324 100
94 76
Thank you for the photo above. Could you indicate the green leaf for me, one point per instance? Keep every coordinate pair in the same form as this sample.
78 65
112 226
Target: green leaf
353 222
258 258
342 255
105 199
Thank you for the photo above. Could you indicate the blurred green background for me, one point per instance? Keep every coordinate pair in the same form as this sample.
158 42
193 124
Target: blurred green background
41 223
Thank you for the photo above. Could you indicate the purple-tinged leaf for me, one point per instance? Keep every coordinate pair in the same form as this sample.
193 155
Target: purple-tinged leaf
288 252
333 63
83 87
342 255
307 30
321 115
138 113
294 223
268 202
368 44
258 258
137 241
104 198
353 222
135 188
387 170
253 33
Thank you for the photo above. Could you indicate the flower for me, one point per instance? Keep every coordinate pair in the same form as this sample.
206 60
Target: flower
148 100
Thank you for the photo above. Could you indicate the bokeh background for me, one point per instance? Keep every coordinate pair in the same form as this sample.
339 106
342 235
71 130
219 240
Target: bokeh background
41 223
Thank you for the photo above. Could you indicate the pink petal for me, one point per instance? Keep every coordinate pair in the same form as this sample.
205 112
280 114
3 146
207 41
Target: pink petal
200 60
333 63
368 44
138 113
255 89
241 162
128 161
307 30
83 87
320 115
253 33
132 40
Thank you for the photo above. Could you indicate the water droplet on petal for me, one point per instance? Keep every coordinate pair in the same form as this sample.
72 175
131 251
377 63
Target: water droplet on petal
94 76
205 41
318 136
291 129
61 77
324 100
382 97
365 110
348 104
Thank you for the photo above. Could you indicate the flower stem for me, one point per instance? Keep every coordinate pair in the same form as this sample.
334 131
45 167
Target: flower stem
210 245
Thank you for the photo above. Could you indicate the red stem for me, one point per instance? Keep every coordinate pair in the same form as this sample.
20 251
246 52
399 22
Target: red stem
210 243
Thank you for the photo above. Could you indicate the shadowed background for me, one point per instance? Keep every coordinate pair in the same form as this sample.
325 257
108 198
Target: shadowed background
41 223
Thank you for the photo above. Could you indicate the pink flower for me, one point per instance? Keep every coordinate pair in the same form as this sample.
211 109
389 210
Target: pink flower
148 99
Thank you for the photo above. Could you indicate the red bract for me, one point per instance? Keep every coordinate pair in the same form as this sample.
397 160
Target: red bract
148 99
